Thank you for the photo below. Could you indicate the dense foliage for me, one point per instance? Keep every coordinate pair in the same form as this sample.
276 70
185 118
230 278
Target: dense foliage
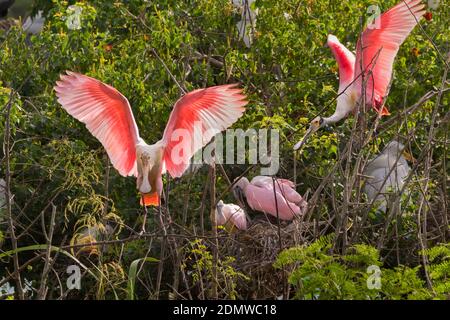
62 182
358 274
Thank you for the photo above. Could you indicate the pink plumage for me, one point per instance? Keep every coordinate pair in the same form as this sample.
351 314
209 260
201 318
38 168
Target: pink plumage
199 116
371 70
285 187
107 115
260 196
345 59
231 214
375 53
377 48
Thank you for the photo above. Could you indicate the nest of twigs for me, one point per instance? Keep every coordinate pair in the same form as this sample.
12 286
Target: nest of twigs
256 249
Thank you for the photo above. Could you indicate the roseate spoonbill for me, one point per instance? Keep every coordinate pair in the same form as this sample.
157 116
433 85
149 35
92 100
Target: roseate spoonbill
260 196
229 215
195 119
386 173
375 53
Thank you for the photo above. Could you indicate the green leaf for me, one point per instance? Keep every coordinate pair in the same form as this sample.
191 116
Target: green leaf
132 274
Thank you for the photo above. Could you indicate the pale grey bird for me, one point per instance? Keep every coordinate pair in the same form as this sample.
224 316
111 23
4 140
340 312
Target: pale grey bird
386 174
246 26
35 24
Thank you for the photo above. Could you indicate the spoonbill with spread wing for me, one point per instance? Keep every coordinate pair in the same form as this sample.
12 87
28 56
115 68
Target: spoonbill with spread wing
375 53
195 119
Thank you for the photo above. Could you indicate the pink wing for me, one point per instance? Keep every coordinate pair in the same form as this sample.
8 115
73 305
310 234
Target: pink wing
236 215
263 200
267 181
380 46
345 59
107 115
285 187
195 119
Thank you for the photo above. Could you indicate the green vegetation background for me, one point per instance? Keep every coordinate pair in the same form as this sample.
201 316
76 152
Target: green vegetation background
288 74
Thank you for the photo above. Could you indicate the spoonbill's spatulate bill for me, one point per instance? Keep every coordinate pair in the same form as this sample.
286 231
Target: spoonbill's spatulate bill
375 53
195 119
386 174
260 196
228 215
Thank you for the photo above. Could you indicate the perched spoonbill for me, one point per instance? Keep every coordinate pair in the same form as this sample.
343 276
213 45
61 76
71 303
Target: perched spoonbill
386 173
375 53
260 196
195 119
229 215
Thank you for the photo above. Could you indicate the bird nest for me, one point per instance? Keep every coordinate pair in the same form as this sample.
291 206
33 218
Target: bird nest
256 249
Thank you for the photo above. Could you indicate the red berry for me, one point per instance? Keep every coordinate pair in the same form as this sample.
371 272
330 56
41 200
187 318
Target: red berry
428 16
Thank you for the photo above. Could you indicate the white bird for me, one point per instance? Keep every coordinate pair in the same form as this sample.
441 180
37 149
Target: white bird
386 174
35 24
228 214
